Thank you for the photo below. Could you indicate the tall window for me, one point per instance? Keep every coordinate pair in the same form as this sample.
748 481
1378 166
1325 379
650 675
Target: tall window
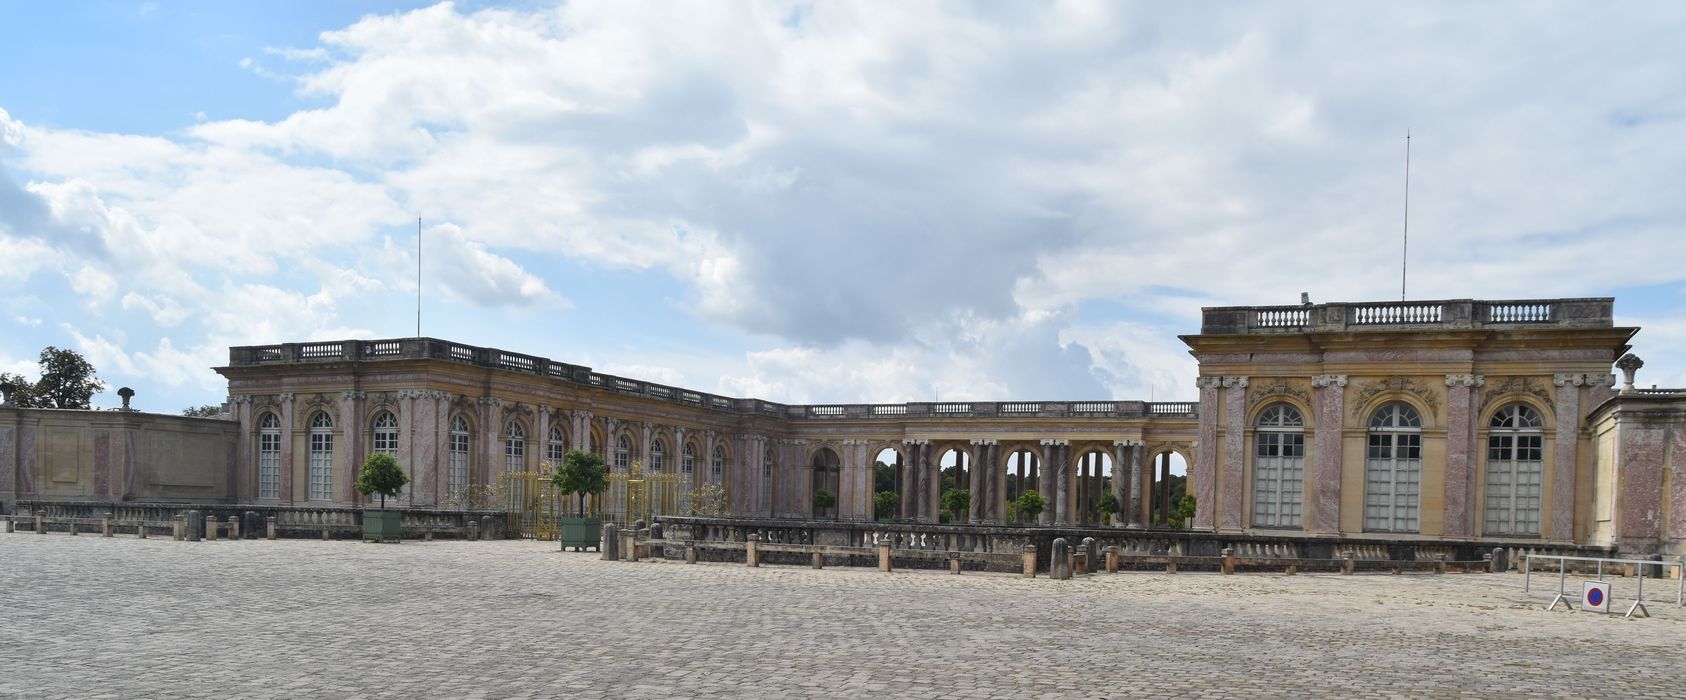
719 465
456 470
386 433
514 447
658 456
269 457
1393 467
1278 467
1515 447
557 449
688 461
767 479
321 457
623 454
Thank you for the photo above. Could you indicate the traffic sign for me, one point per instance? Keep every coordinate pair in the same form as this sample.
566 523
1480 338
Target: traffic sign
1595 596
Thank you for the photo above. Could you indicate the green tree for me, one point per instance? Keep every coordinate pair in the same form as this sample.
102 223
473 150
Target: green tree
956 502
381 474
205 411
824 500
884 505
67 379
883 477
1108 506
581 475
1183 511
1030 505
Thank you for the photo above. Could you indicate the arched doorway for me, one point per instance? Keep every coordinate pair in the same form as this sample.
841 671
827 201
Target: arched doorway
827 479
1167 479
887 485
954 485
1092 473
1022 474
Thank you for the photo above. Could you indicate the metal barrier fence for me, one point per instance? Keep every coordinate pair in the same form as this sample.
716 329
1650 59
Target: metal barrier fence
1640 566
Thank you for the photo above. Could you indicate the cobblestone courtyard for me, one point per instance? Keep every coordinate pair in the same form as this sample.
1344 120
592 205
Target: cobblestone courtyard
89 617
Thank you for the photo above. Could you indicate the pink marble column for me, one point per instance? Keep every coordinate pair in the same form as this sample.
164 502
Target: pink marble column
1323 513
1202 475
1568 409
1234 458
1639 484
245 463
287 452
1460 454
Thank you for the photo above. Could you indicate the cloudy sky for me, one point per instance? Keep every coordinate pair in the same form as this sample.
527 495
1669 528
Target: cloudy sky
818 202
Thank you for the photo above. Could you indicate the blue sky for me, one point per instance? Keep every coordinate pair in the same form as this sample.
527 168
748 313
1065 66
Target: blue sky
817 202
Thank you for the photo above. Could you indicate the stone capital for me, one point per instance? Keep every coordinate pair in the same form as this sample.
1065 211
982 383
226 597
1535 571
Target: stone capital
1327 380
1470 380
491 401
544 409
1208 382
286 397
1569 379
351 395
916 441
1127 443
240 398
1235 382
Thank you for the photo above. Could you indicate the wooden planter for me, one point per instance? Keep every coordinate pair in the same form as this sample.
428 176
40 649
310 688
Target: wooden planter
580 533
383 525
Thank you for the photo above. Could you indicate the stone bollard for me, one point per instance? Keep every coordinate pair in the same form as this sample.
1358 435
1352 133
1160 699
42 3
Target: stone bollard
427 536
325 534
192 525
249 523
1170 567
637 524
1112 560
269 525
1488 559
611 542
884 556
140 531
954 564
1501 560
691 554
1440 563
41 523
233 527
73 528
210 528
1347 563
751 555
1080 560
818 560
178 527
485 527
473 532
1059 560
1292 569
105 525
629 544
11 527
1029 561
1229 560
1093 551
655 531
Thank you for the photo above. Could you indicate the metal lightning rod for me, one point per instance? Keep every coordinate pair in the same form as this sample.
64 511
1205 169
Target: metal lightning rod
1405 249
418 276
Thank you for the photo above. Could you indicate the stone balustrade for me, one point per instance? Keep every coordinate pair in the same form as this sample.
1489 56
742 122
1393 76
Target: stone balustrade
1452 314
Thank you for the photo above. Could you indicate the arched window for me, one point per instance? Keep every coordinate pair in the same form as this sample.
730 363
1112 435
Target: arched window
456 470
719 467
1278 467
269 457
623 454
658 456
386 433
1515 468
688 460
1393 465
557 450
514 447
321 457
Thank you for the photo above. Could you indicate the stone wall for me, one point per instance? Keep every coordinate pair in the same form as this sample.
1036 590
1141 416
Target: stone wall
1639 494
114 456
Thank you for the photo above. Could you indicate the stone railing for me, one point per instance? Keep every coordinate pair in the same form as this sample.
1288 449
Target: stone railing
294 521
435 349
1409 315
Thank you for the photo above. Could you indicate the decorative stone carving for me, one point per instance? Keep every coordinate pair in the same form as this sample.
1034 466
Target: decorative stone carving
1236 382
318 400
1278 389
1469 380
1127 443
352 395
1512 386
1629 364
1208 382
1397 384
240 398
1325 380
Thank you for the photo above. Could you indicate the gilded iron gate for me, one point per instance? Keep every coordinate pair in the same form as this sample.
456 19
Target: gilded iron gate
530 504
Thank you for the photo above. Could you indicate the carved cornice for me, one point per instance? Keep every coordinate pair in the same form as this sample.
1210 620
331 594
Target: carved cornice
1513 386
491 401
318 400
1324 381
1583 379
580 414
518 408
916 441
285 397
1058 443
984 442
1401 385
1216 382
1280 388
352 395
1127 443
1469 380
241 398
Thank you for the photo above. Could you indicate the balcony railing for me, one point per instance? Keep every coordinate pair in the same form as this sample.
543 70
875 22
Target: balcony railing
1452 314
434 349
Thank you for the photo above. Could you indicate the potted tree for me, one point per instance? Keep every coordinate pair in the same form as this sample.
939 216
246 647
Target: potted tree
823 501
580 475
884 505
381 474
1108 507
956 502
1030 505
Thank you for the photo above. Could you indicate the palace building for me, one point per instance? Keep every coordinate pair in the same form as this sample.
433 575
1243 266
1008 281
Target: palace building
1430 421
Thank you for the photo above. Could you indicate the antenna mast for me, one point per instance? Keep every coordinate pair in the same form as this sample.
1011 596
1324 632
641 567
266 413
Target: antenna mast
418 277
1405 247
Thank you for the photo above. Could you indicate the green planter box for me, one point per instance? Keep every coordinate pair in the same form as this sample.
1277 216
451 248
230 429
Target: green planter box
383 525
580 532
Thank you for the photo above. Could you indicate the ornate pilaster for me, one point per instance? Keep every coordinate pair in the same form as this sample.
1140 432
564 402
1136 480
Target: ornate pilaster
582 429
645 430
1560 525
1202 475
981 480
1059 509
491 447
288 453
1323 513
908 508
1234 447
1460 453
